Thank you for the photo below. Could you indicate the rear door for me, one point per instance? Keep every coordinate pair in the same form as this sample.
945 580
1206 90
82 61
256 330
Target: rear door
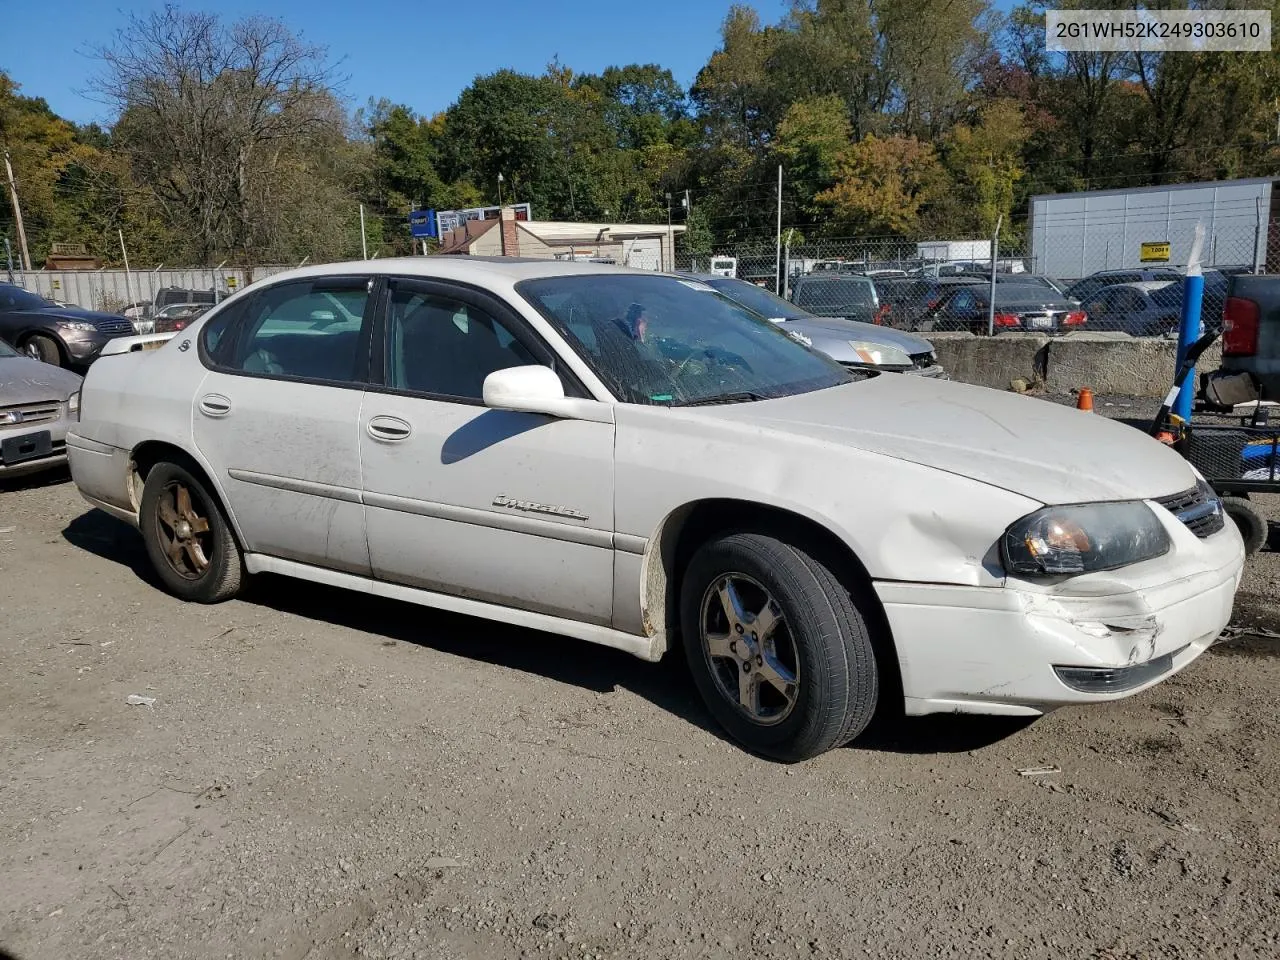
278 417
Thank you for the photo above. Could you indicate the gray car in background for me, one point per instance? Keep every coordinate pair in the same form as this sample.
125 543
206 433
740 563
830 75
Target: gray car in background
848 342
37 401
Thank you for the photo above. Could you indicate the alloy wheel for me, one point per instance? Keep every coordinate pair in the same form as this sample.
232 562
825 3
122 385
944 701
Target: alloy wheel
184 531
748 643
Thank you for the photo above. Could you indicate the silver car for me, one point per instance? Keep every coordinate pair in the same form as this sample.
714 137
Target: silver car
850 343
37 400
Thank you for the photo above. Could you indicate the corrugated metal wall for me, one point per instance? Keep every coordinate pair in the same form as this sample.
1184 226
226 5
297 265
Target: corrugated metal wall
111 290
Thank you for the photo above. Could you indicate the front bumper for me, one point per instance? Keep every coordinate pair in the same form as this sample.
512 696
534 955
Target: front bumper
56 457
86 348
1003 650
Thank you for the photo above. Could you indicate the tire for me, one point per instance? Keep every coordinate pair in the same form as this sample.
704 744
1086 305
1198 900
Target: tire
1254 527
43 348
820 649
205 566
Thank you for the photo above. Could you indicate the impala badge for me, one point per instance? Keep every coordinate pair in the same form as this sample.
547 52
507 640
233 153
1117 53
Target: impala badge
528 506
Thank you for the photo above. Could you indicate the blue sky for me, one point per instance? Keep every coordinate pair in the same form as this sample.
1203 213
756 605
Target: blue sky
420 53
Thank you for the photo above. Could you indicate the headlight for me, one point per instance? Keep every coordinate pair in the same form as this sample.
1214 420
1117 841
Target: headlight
880 354
73 405
1083 538
80 325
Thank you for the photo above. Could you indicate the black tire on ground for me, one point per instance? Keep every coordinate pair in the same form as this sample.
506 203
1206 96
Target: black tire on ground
822 635
201 561
43 348
1254 527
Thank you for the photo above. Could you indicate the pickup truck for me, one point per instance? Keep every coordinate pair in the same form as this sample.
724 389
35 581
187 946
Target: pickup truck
1251 332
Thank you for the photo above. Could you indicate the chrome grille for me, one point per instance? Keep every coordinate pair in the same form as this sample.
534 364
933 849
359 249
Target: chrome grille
114 326
1198 508
25 414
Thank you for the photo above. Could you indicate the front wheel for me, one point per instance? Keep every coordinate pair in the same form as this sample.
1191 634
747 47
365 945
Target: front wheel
777 646
45 349
188 538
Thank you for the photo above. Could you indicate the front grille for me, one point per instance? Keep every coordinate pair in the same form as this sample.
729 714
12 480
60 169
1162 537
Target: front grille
1198 508
25 414
115 326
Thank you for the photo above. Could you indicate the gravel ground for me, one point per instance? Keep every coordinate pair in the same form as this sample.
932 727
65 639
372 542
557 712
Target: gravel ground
324 775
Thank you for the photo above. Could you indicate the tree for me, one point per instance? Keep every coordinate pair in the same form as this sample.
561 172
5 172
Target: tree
984 160
882 186
222 122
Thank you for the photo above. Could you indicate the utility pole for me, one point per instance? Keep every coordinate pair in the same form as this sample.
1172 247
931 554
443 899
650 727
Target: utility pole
777 274
364 243
128 274
17 215
499 191
671 242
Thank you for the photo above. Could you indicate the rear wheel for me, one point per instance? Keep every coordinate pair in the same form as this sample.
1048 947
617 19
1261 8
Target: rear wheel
43 348
777 646
188 539
1254 527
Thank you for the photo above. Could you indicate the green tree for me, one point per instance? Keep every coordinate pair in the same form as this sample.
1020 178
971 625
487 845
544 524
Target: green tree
882 186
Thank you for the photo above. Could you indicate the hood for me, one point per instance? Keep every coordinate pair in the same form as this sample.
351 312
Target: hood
836 328
79 313
23 380
1041 450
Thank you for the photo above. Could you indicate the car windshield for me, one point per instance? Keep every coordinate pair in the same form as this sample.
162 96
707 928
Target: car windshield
829 297
668 341
15 298
757 299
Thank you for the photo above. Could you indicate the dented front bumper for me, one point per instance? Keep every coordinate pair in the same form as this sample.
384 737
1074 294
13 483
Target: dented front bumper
1027 648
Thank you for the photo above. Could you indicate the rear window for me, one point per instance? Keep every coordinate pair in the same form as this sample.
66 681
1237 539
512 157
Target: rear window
831 293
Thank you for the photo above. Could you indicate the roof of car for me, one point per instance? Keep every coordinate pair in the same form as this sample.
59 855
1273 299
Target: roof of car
1147 286
460 267
833 278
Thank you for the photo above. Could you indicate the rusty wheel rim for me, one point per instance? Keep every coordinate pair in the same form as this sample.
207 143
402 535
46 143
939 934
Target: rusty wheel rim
185 539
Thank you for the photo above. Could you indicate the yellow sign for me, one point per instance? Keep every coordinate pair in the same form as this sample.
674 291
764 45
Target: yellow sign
231 281
1155 253
57 284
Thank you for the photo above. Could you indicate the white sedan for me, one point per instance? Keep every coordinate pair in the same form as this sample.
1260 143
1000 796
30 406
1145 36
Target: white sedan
635 460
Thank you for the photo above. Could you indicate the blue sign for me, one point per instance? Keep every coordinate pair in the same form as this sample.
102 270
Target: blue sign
422 224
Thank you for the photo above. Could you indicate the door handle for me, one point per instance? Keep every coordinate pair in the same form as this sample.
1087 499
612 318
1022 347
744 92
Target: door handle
389 429
215 405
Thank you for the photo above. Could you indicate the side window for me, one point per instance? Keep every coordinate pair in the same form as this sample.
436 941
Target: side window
213 335
1128 300
439 345
307 328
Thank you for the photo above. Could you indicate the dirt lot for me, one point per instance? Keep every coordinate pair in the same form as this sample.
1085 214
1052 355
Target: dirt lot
328 776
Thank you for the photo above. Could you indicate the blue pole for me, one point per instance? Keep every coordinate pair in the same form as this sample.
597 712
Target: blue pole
1188 333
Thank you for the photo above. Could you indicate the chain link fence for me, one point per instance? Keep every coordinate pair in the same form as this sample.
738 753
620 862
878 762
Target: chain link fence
950 285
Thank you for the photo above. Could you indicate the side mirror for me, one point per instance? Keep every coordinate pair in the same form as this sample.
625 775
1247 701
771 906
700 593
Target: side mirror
537 389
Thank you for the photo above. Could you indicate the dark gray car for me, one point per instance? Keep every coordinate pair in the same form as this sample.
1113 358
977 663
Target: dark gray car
838 295
848 342
63 336
37 401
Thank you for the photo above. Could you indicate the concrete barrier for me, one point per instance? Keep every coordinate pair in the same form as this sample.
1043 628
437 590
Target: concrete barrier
1108 363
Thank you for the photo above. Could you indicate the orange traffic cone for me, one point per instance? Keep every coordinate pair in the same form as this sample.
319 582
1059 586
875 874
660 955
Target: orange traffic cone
1084 399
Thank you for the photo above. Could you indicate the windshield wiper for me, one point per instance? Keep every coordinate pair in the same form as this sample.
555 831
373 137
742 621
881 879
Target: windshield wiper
744 396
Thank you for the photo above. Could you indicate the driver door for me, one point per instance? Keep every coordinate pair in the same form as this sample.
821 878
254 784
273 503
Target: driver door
509 508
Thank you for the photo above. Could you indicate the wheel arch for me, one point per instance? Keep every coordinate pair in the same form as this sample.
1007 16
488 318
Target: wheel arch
145 455
23 338
689 526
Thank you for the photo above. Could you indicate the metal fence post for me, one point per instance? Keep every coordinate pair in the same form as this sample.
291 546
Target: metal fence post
995 252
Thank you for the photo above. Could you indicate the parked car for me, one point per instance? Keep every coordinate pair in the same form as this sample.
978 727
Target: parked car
169 296
37 402
1083 290
1251 332
1018 307
838 295
63 336
848 342
633 459
1150 308
176 317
